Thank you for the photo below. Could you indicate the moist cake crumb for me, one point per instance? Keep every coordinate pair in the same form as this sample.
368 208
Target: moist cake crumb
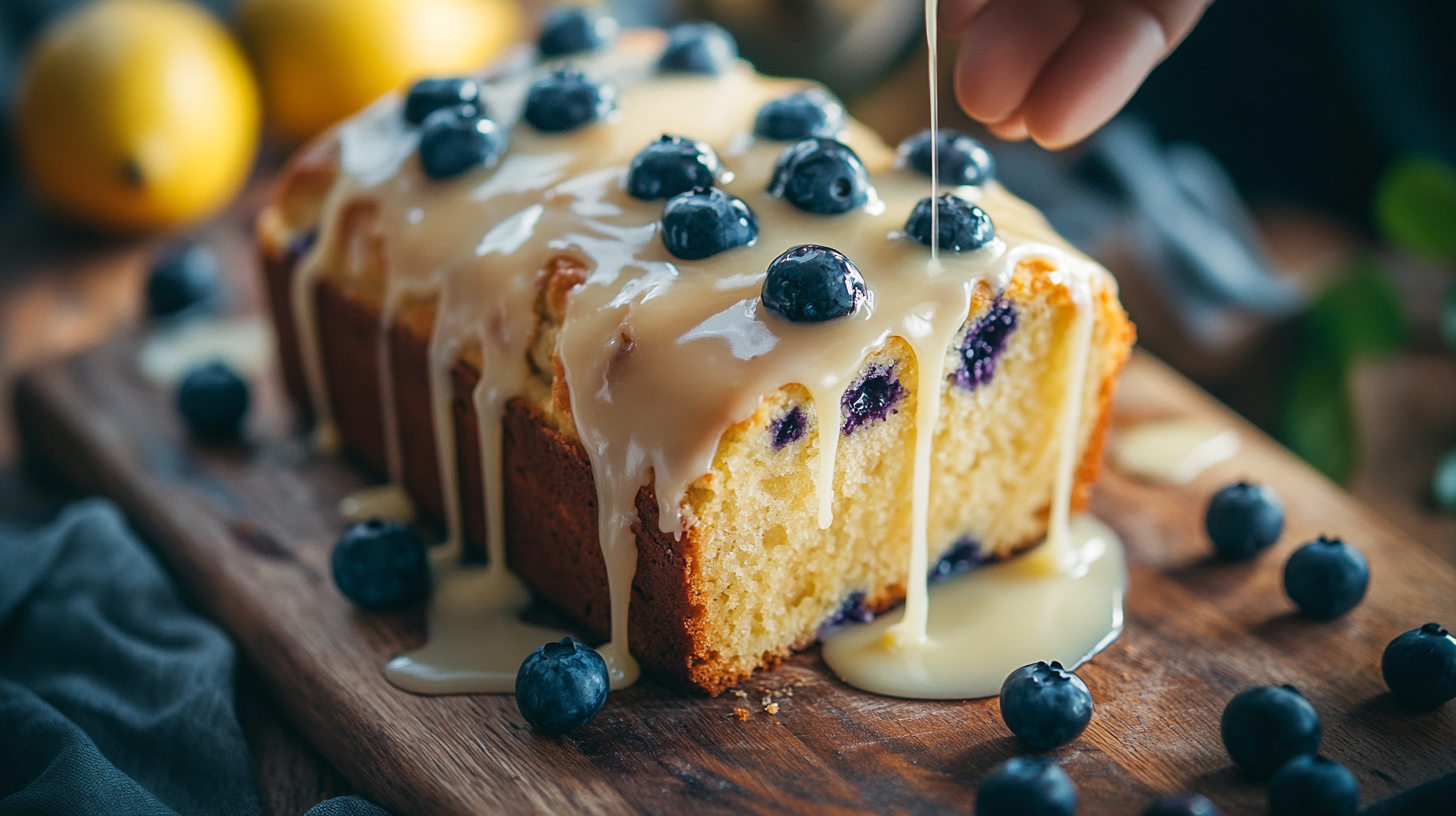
741 713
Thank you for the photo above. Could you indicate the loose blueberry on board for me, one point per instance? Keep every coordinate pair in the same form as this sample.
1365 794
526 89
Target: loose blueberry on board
456 140
871 399
698 48
381 565
963 226
820 176
1266 726
183 277
1027 786
1313 786
983 344
562 685
807 114
566 99
1326 578
1420 667
701 223
962 159
429 95
1182 804
1045 705
572 29
1243 519
672 165
811 284
213 400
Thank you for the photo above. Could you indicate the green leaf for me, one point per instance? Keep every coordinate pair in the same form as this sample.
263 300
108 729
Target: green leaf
1359 315
1316 420
1415 207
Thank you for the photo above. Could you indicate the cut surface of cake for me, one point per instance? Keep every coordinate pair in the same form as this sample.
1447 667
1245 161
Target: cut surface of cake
647 445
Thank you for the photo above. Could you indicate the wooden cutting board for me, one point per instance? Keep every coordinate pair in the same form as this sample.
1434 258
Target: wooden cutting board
248 530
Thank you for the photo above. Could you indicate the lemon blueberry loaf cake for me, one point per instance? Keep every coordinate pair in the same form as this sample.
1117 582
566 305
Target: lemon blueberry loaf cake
688 350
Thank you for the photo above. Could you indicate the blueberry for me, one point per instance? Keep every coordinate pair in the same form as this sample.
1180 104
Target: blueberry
1027 786
213 400
1313 786
807 114
1243 520
1420 667
381 565
572 29
183 277
1045 705
963 226
701 223
1266 726
562 685
812 283
1326 578
871 399
853 610
962 159
1182 804
963 556
429 95
698 48
672 165
984 341
820 176
456 140
566 99
788 428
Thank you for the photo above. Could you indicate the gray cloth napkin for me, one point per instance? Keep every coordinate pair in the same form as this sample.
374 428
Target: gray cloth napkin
115 697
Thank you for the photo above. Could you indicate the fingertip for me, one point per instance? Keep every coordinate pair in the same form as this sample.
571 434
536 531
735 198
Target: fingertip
1004 52
1012 129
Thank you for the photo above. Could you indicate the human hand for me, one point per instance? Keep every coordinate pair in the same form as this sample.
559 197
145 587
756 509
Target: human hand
1056 70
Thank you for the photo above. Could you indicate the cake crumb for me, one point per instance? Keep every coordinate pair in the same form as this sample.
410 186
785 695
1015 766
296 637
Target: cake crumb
767 701
740 713
739 693
1127 677
772 708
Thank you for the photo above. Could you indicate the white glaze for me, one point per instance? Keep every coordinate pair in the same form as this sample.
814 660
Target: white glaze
1173 451
168 353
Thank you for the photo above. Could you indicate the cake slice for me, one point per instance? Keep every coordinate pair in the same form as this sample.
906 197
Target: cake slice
528 322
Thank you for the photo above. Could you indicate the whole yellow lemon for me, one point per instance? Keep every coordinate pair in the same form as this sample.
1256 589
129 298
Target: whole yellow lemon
137 114
321 60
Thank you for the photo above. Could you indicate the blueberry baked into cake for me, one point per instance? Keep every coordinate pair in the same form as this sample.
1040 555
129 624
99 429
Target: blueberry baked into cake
664 333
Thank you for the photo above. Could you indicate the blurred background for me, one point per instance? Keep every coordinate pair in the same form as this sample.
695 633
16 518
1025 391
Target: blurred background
1278 200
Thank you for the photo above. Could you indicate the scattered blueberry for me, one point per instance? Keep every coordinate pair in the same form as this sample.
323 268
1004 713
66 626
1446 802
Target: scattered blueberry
1027 786
1420 667
562 685
672 165
213 400
458 139
429 95
1313 786
807 114
381 565
983 344
183 277
963 226
701 223
1266 726
962 159
566 99
812 283
572 29
963 556
820 176
1326 578
698 48
1045 705
1243 520
788 428
1182 804
871 399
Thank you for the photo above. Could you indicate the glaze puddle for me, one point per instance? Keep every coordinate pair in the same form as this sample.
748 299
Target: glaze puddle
1173 451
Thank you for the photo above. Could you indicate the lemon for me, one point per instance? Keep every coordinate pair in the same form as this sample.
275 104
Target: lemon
321 60
137 114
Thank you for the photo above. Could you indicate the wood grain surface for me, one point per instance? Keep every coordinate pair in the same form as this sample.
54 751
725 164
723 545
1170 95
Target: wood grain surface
248 529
